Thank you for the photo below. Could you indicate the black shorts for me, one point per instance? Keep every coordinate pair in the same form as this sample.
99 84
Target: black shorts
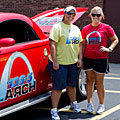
97 65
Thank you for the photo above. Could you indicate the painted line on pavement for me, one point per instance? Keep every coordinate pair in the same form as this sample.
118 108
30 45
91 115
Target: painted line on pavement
110 91
106 113
59 110
112 78
116 74
68 110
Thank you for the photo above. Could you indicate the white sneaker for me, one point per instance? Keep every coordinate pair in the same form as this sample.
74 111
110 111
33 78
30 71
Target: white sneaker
75 107
54 114
100 109
90 108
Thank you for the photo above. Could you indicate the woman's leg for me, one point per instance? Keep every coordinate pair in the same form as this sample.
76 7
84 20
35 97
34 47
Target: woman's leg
99 79
90 77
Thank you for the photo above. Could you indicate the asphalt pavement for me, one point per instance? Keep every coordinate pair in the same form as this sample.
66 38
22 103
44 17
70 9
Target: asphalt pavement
41 111
112 100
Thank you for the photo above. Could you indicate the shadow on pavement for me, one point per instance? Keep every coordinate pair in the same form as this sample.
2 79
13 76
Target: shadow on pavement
72 115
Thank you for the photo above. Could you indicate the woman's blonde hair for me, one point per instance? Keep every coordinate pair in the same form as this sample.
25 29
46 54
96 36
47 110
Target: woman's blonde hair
97 8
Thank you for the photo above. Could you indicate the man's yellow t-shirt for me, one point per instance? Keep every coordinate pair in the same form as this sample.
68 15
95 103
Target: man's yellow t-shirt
67 38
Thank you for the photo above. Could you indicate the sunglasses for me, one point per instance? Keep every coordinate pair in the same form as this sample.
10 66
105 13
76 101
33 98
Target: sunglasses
71 13
98 15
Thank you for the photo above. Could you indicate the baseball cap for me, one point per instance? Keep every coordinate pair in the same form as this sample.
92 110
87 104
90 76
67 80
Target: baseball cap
69 8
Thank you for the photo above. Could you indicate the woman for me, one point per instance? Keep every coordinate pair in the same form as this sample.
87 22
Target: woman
96 55
65 40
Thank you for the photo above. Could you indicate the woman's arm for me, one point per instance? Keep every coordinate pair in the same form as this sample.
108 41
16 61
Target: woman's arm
114 40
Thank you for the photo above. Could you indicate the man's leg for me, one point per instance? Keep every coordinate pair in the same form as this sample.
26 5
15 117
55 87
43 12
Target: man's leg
55 97
71 91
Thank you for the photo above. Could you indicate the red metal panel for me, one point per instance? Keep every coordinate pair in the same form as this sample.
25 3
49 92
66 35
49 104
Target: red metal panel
45 20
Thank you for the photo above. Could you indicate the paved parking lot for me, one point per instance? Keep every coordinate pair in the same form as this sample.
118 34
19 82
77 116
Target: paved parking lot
112 104
112 99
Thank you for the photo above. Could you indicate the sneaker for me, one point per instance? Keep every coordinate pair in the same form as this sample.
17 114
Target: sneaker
54 114
75 107
90 108
100 109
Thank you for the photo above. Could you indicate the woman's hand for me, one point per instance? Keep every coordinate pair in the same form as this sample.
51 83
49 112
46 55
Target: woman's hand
80 64
104 49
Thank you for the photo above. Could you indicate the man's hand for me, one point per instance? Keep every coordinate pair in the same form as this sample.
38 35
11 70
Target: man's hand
55 65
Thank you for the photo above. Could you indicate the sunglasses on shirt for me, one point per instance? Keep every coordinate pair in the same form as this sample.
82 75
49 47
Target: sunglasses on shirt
98 15
71 13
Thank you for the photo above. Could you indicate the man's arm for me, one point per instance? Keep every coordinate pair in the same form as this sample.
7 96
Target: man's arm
53 54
